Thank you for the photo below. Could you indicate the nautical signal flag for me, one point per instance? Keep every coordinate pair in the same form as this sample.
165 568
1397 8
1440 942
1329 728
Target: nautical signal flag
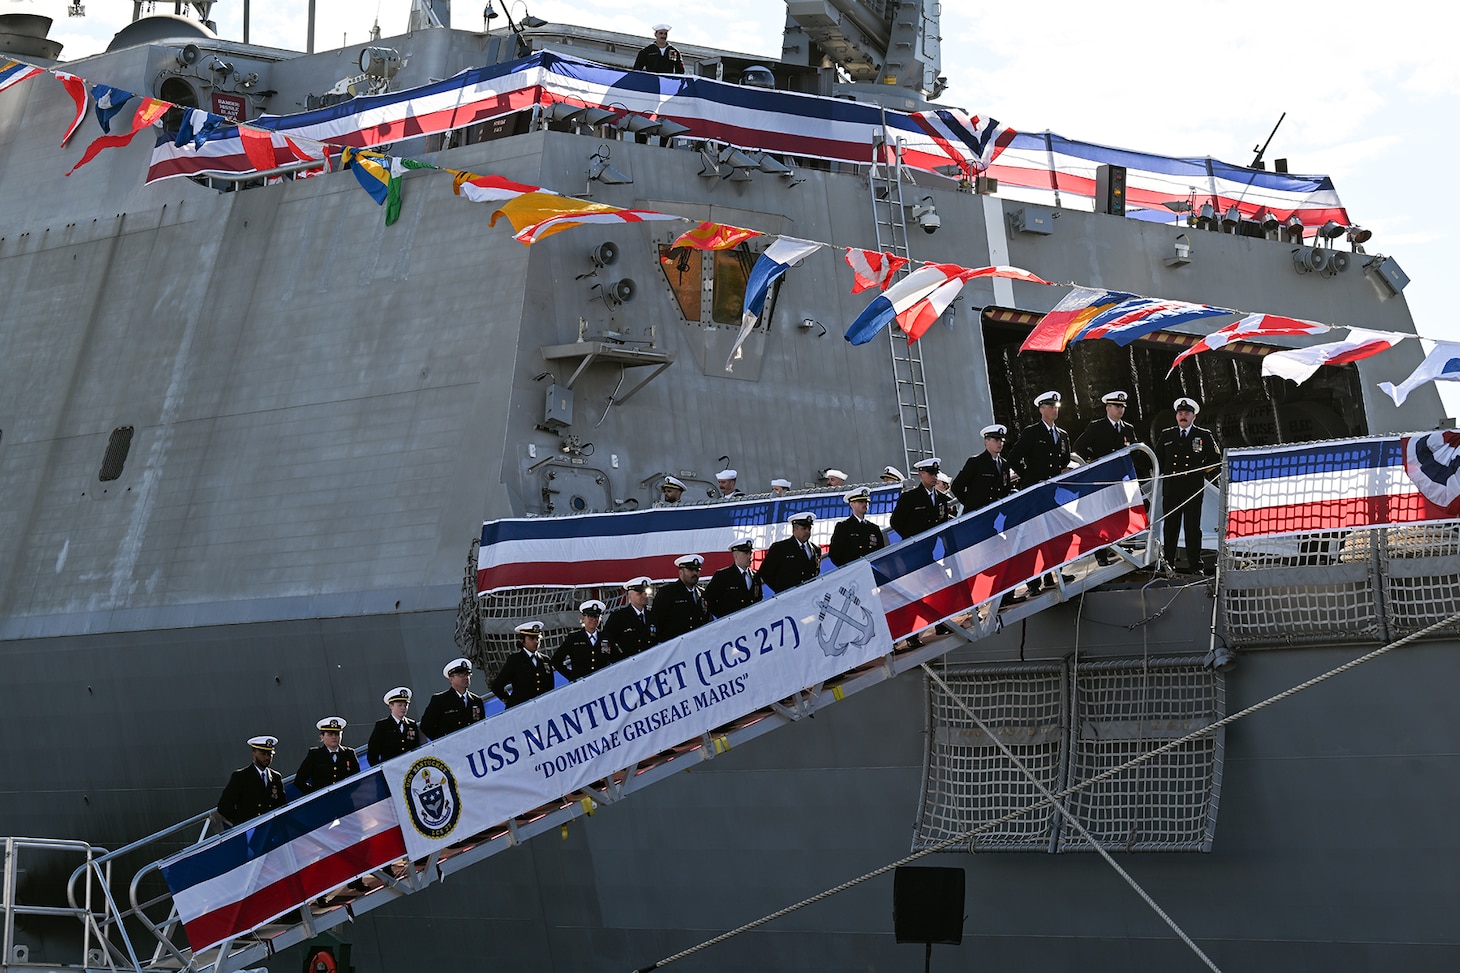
1070 316
109 101
148 113
1255 326
1299 364
529 235
872 269
714 236
490 189
380 175
1440 365
921 297
76 88
197 127
770 267
1140 316
14 72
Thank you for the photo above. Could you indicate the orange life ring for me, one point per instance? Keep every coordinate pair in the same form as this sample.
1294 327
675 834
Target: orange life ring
323 961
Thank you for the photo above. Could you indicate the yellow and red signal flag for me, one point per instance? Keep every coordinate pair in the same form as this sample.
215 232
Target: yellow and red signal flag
148 113
714 236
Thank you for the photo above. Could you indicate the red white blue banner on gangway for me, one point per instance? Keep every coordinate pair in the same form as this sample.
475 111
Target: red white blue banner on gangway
259 871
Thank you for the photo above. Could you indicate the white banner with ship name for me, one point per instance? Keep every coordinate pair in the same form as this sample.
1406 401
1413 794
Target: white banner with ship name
555 744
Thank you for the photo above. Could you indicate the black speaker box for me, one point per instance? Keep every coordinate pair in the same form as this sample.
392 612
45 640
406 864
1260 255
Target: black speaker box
927 905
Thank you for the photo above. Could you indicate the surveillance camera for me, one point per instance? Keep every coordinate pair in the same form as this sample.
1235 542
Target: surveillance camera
930 223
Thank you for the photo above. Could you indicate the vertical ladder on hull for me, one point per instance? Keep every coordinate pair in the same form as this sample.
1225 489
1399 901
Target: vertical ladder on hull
889 217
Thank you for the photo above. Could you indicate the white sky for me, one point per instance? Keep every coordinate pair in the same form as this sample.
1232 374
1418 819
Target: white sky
1371 95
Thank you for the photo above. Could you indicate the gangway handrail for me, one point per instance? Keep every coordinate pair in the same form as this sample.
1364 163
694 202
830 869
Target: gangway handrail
558 812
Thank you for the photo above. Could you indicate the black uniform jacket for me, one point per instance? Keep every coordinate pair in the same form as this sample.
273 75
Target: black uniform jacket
677 610
727 592
577 656
1188 455
1102 437
246 796
917 511
321 769
670 62
629 633
523 676
445 713
982 481
852 538
389 740
786 565
1038 455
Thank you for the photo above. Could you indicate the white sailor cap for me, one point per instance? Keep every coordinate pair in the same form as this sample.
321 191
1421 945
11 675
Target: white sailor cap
456 665
592 607
930 465
1187 404
659 27
860 493
805 517
529 628
641 583
1115 398
1048 398
892 474
331 724
745 544
689 561
995 431
838 474
264 743
726 475
944 478
671 481
781 482
400 694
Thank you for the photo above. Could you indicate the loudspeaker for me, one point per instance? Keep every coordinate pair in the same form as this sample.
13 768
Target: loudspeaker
603 254
189 55
1110 190
927 905
621 291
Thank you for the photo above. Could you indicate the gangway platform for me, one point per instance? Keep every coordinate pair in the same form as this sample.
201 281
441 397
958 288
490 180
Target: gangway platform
946 595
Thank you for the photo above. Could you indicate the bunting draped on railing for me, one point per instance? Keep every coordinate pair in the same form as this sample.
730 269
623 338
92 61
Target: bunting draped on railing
812 126
1160 188
801 125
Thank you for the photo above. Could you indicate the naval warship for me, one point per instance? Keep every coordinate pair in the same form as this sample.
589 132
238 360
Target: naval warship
249 435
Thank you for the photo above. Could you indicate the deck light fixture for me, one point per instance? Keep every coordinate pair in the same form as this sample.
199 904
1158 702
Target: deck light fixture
600 171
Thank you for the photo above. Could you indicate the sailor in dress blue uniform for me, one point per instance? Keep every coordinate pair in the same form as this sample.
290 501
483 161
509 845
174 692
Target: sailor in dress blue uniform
587 650
455 707
526 673
329 763
255 789
395 734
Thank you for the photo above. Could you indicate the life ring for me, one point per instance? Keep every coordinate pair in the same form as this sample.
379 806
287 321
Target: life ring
323 961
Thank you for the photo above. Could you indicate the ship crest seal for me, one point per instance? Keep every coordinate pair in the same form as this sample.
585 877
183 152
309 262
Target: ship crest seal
850 623
432 798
